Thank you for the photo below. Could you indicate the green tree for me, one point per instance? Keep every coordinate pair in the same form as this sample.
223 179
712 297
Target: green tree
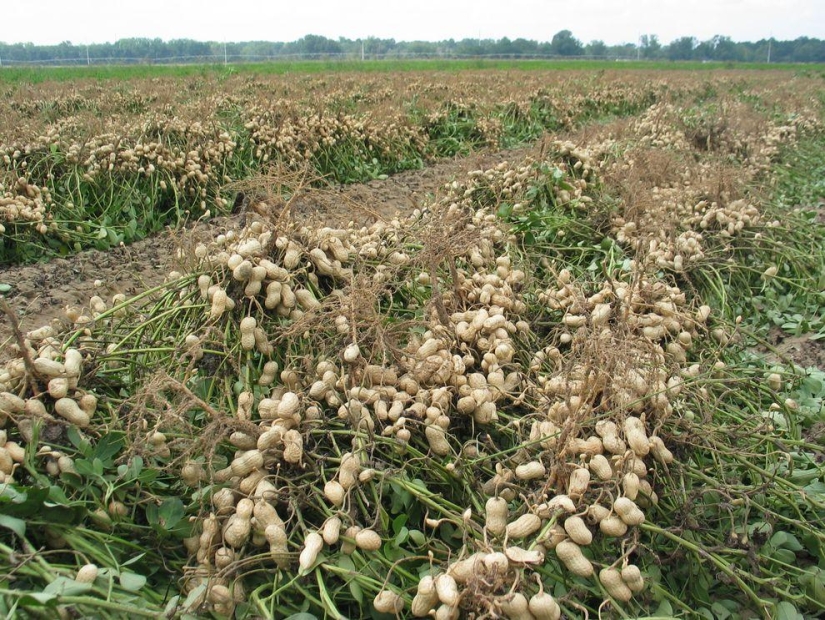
625 50
504 46
314 45
719 47
418 48
376 48
650 46
723 48
565 44
596 48
524 47
681 48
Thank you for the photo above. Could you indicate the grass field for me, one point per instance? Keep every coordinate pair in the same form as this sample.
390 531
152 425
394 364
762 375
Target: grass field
571 365
34 75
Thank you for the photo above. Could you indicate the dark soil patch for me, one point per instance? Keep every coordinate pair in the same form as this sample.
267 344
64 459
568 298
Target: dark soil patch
804 350
816 434
820 213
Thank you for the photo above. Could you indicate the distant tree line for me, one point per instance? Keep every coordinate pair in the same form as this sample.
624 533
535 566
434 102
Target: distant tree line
562 44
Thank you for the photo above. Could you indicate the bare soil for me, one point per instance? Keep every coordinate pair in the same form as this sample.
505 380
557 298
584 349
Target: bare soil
41 292
803 350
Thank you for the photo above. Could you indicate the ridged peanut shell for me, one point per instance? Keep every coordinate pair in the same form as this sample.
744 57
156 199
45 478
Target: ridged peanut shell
573 559
578 531
628 511
632 576
612 581
525 525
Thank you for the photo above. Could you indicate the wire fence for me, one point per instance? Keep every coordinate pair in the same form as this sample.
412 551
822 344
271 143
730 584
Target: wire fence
220 58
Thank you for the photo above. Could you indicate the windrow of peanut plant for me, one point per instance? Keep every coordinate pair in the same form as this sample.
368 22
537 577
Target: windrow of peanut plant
531 397
87 166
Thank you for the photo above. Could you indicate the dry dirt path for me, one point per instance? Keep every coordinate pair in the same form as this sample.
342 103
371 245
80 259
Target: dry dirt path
41 292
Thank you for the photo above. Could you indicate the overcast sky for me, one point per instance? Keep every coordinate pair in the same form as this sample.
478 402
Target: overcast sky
613 21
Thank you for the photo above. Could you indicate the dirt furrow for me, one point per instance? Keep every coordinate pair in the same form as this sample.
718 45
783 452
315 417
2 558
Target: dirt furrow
40 292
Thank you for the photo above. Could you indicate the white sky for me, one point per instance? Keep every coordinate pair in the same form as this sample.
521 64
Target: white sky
613 21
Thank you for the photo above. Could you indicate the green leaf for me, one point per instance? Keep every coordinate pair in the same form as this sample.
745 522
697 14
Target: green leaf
114 237
814 582
787 611
812 385
357 592
345 562
399 522
400 499
402 536
134 560
84 467
786 540
664 609
132 582
417 537
171 512
153 515
804 476
395 554
11 493
784 555
302 616
25 502
245 610
63 586
724 609
83 445
18 526
37 599
166 517
420 486
760 528
4 288
108 446
134 468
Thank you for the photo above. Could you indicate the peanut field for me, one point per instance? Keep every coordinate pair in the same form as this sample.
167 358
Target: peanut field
476 344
